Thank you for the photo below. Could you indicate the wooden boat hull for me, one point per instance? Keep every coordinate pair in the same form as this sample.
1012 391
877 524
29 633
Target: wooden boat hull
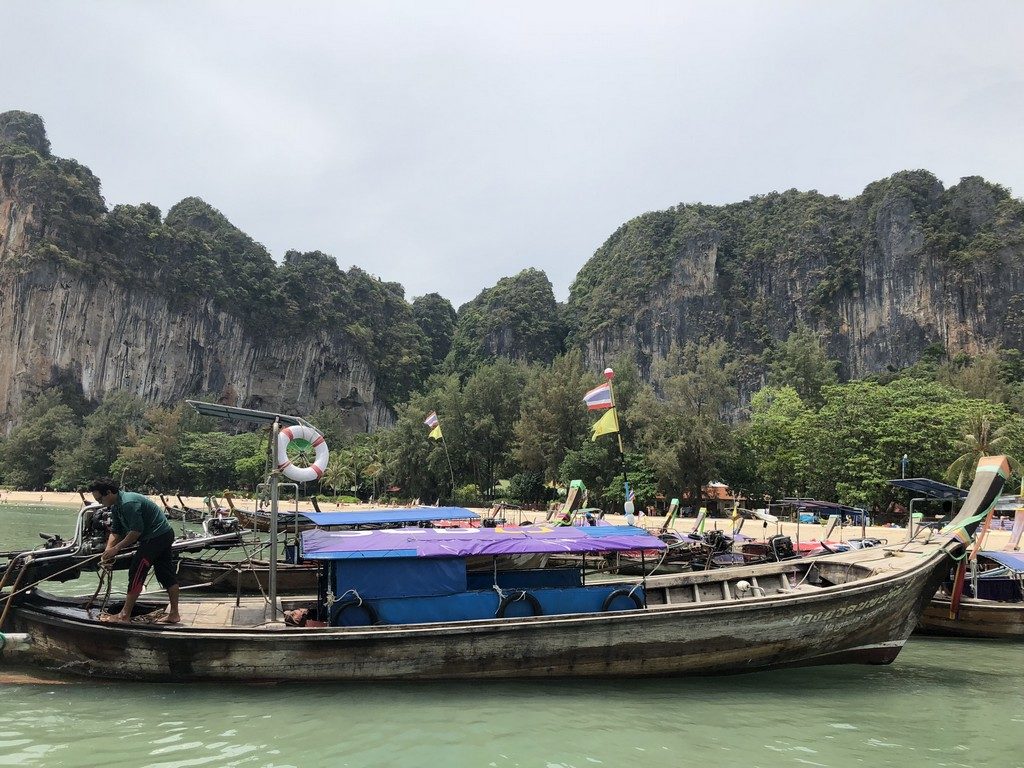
683 631
219 576
260 521
976 618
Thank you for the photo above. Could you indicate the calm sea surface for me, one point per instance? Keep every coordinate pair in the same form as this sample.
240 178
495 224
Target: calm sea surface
942 703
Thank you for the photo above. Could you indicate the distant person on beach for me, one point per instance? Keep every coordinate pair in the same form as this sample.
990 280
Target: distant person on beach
136 519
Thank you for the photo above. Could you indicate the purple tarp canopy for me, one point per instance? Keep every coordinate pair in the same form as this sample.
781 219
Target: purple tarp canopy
462 542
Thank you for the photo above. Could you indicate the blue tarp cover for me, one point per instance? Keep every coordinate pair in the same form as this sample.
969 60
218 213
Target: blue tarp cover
389 516
319 544
1013 560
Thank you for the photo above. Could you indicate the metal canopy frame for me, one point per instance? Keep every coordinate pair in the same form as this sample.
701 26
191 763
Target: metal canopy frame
266 418
275 421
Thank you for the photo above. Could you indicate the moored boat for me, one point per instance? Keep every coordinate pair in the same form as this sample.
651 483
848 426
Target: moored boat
992 604
854 607
401 605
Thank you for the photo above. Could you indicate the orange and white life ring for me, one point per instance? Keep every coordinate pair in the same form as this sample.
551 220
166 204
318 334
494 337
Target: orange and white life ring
302 474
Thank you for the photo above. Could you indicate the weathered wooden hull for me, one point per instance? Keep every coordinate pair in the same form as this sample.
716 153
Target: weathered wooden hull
260 521
227 577
976 618
863 612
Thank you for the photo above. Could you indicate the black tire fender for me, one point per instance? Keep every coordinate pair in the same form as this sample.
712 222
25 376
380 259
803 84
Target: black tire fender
622 592
515 597
341 606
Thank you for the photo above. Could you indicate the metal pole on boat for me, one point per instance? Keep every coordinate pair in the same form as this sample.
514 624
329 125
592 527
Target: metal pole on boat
272 575
910 522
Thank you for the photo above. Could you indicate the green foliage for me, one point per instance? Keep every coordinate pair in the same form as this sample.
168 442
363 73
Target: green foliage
528 487
489 409
24 129
79 462
982 439
467 495
436 317
552 417
683 419
800 362
27 455
774 439
863 430
517 319
596 463
642 479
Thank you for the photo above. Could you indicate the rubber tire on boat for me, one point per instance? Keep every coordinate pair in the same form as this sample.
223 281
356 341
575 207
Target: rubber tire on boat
621 593
514 597
340 607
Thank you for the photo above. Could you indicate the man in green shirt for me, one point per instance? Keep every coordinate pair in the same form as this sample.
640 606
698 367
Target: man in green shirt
134 519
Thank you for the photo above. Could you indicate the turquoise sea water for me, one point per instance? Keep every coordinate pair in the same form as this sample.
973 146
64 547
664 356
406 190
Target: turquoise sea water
943 703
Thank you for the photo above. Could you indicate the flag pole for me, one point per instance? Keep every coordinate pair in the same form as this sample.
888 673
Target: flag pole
434 423
627 506
451 472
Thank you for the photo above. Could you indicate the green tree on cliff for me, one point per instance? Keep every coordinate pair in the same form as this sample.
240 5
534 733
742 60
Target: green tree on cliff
800 362
683 417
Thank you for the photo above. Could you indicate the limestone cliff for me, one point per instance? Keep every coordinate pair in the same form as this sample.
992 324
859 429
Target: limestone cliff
905 266
187 306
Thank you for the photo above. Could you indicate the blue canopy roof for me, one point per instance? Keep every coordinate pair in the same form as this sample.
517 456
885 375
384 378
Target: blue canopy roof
930 488
1012 560
828 507
380 517
318 544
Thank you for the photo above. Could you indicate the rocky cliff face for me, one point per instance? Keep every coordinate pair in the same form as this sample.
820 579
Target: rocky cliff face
69 311
106 338
883 277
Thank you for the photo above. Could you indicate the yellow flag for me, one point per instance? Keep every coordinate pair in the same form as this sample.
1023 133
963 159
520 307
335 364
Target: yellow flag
607 423
435 432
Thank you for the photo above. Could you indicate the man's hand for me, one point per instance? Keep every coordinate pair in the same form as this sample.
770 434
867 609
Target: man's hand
109 554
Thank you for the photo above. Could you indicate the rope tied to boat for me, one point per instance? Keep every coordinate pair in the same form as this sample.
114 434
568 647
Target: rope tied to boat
106 573
345 594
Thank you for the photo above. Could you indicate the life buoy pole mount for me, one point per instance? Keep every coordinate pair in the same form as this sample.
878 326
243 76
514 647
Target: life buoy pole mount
302 474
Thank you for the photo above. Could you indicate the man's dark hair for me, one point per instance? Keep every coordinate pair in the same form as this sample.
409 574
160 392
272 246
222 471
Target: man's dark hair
105 485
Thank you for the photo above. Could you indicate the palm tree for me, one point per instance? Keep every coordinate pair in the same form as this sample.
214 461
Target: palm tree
982 440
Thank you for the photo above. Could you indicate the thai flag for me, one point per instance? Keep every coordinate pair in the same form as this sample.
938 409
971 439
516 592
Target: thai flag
630 493
431 420
599 398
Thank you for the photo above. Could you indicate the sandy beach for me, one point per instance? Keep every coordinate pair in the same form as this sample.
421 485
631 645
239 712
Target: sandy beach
805 532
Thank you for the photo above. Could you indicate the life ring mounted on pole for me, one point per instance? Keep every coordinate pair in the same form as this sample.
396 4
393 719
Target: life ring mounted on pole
315 440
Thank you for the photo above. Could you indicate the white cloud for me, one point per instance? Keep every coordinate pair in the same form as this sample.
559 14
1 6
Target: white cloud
447 144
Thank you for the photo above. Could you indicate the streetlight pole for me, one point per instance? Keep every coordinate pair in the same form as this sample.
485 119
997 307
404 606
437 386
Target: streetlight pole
903 463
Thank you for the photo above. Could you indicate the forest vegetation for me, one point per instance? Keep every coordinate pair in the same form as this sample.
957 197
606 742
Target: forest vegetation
749 397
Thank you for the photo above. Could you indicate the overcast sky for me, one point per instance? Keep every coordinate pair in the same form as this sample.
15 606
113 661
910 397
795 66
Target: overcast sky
445 145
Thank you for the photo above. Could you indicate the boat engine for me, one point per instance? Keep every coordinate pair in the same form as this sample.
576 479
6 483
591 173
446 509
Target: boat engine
717 541
219 526
95 529
781 547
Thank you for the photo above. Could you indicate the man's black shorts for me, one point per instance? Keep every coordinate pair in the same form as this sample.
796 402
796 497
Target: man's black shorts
155 553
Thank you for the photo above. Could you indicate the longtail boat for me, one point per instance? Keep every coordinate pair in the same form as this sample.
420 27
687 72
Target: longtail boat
401 605
987 601
992 604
